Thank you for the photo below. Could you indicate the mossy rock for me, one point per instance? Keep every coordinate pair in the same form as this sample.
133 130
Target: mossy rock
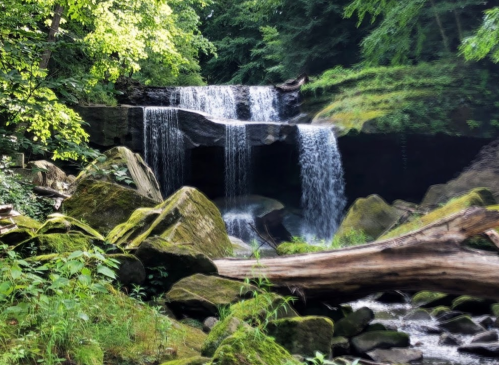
249 346
354 323
189 340
180 261
131 270
429 299
104 205
419 314
462 325
375 327
57 243
303 335
144 181
321 309
439 311
495 309
472 305
201 295
480 197
258 308
196 360
90 354
290 248
371 215
16 236
379 340
186 217
59 223
340 346
22 222
223 329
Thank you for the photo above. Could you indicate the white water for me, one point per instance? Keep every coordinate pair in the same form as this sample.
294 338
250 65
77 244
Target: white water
323 189
238 224
164 147
218 101
264 104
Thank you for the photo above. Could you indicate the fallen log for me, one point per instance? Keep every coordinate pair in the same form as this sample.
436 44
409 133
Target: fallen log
430 258
293 84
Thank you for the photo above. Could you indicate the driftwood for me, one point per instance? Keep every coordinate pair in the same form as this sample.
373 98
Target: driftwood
293 84
430 258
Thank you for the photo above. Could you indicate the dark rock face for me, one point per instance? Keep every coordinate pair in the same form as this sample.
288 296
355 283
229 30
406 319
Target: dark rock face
354 323
463 325
369 341
489 336
484 349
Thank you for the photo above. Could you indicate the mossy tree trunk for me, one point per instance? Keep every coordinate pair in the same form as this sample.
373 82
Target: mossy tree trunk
430 258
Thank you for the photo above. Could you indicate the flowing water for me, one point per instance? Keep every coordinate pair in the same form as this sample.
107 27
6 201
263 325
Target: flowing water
264 103
218 101
392 315
323 188
164 147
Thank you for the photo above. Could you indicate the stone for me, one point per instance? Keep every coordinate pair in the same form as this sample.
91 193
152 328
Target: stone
334 312
58 243
486 322
472 305
484 349
398 356
418 315
46 174
22 222
449 315
369 341
201 295
428 299
354 323
59 223
340 346
185 217
375 327
303 335
292 248
246 347
448 340
223 329
180 260
258 309
142 177
371 215
462 325
209 323
240 248
16 236
131 270
392 297
196 360
104 205
488 336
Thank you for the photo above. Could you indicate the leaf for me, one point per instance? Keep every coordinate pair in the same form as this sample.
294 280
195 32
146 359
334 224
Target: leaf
85 280
75 255
74 266
104 270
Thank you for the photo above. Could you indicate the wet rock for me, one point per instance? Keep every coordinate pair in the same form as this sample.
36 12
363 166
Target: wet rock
240 248
489 336
472 305
431 330
447 339
340 346
131 270
462 325
220 332
375 327
446 316
303 335
392 297
398 356
428 299
483 349
418 315
486 322
354 323
369 341
209 323
336 312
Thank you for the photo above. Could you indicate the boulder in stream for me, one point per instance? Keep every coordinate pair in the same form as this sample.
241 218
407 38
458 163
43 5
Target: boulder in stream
484 349
354 323
397 356
462 325
369 341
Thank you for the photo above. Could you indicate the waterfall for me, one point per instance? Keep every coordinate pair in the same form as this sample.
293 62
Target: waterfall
164 147
264 103
218 101
323 191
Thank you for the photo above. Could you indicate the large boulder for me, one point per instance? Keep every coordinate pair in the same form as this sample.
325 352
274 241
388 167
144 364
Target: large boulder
202 295
121 166
372 216
354 323
462 325
223 329
59 223
104 205
484 349
303 335
477 197
46 174
186 217
369 341
179 261
396 356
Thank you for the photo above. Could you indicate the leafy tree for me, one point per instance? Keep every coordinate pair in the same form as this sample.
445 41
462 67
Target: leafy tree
486 40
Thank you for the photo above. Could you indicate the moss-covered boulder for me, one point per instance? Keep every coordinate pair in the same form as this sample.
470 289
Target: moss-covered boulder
462 325
223 329
472 305
196 360
419 314
340 346
354 323
372 216
59 223
262 307
22 221
186 217
57 243
303 335
379 340
45 173
429 299
292 248
480 197
248 347
104 205
131 270
118 163
201 295
179 261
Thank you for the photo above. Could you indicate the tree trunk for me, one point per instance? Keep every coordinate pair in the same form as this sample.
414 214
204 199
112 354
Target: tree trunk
459 26
54 29
427 259
440 27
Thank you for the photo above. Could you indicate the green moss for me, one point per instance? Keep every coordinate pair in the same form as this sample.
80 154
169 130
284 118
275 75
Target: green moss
62 242
371 215
59 223
261 306
438 311
103 205
90 354
354 323
477 197
381 340
426 297
196 360
186 217
291 248
250 347
495 309
23 222
220 332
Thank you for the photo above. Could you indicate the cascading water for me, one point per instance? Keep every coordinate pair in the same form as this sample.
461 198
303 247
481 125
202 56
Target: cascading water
218 101
164 147
323 189
264 103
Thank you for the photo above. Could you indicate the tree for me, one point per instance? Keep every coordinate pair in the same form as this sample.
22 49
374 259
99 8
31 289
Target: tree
486 39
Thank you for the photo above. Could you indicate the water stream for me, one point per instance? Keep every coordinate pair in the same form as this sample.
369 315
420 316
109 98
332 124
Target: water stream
217 101
264 103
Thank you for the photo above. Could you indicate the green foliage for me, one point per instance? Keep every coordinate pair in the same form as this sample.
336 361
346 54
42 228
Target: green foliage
14 190
321 359
486 39
350 238
119 173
